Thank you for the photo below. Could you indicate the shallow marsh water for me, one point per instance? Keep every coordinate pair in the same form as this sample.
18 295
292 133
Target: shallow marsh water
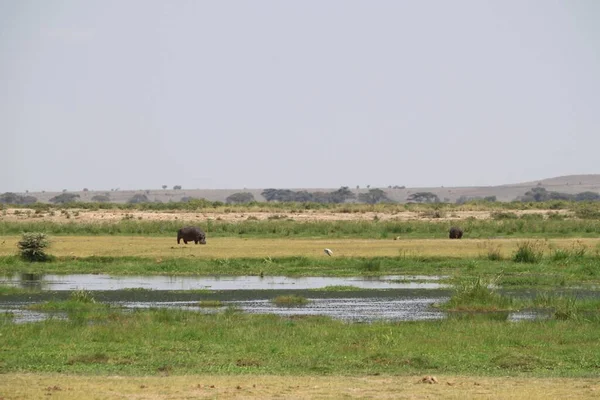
391 298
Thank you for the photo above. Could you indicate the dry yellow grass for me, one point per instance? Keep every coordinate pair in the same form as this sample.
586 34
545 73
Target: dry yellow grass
44 386
137 246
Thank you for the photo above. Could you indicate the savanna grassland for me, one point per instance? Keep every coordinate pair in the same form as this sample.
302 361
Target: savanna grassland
103 351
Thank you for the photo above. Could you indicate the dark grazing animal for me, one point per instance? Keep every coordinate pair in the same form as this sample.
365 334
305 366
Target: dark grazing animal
190 233
455 233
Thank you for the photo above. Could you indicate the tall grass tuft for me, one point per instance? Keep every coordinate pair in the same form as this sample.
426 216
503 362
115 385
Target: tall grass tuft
82 296
492 251
478 294
528 252
577 251
564 307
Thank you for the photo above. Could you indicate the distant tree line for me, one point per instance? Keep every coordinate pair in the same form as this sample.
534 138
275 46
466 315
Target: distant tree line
374 196
341 195
539 194
13 198
64 198
466 199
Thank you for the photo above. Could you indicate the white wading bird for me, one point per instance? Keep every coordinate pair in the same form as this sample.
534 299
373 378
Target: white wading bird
328 252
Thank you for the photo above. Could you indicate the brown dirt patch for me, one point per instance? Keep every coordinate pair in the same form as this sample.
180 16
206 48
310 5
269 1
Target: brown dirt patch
43 386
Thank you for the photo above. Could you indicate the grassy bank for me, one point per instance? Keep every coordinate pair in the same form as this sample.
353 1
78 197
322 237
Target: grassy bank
584 272
176 342
556 262
281 226
234 247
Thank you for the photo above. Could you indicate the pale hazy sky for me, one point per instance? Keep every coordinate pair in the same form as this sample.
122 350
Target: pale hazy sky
135 94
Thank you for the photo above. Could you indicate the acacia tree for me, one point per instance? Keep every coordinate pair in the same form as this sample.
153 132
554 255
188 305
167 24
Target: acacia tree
240 198
424 197
138 198
64 198
342 195
374 196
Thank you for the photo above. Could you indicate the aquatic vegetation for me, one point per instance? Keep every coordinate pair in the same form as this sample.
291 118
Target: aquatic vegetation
478 294
210 303
289 301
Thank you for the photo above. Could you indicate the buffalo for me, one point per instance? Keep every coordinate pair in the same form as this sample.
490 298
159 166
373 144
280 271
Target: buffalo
190 233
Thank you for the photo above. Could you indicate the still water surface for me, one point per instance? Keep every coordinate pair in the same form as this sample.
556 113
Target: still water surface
110 282
391 298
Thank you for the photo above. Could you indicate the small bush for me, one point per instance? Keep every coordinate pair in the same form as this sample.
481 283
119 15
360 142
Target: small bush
32 246
528 252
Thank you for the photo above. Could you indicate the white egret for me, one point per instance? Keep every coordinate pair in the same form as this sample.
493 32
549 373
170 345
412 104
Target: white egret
328 252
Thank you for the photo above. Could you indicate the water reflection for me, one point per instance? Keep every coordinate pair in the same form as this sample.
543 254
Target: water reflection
107 282
30 281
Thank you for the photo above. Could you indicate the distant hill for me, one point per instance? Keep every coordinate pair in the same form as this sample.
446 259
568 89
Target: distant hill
571 184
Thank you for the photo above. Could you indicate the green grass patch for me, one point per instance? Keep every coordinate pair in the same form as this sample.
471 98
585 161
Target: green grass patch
284 227
572 271
151 342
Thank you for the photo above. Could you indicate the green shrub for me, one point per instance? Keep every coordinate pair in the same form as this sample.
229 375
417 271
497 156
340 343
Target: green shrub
32 246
